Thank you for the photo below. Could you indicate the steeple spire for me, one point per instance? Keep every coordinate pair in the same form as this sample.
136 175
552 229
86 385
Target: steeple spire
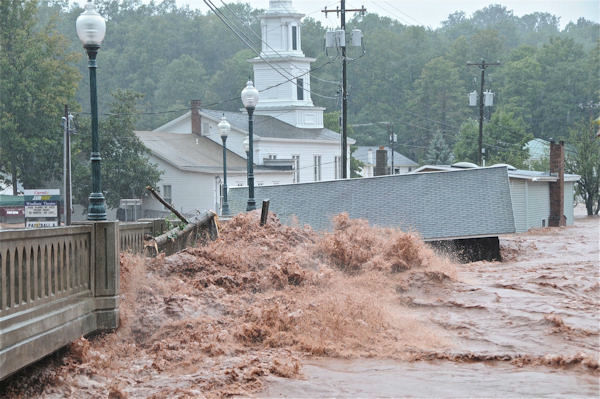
282 72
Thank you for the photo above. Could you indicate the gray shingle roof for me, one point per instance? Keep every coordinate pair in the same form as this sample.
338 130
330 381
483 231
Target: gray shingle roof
439 205
267 126
185 153
361 154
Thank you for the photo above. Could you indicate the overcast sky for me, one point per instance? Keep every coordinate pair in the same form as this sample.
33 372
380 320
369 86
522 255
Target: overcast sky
432 12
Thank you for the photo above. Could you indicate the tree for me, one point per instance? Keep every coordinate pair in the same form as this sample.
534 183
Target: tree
36 78
438 98
465 148
438 152
504 139
126 170
584 160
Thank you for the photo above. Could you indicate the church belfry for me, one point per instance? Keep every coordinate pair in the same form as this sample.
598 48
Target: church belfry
282 73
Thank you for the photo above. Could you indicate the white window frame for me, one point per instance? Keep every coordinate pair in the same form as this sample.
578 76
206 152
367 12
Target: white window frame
296 159
168 198
317 167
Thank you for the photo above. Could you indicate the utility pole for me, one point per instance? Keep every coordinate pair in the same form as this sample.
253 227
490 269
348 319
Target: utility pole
342 13
67 202
482 65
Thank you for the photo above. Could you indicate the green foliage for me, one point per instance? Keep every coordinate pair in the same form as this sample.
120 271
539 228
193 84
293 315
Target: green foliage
504 139
355 164
465 148
126 170
438 153
584 160
37 78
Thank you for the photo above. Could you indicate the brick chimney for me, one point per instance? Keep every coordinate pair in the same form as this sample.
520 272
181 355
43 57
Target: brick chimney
196 118
557 189
381 162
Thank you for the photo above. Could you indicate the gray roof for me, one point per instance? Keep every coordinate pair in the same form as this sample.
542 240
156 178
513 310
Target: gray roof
268 126
438 205
190 152
362 152
533 175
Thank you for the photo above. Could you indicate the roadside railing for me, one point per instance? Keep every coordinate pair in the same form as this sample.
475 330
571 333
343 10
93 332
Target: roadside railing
40 266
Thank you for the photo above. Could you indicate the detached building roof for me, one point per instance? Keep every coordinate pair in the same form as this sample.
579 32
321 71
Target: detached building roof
512 171
466 203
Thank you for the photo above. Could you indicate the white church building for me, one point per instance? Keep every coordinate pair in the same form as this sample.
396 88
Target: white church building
291 144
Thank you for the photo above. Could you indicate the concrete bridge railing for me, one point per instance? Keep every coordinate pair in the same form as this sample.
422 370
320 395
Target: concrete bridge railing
55 285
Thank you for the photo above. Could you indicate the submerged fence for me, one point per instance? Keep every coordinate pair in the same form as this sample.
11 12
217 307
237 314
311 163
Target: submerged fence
58 284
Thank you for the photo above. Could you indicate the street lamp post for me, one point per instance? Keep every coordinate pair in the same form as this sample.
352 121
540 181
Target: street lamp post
91 28
250 99
224 128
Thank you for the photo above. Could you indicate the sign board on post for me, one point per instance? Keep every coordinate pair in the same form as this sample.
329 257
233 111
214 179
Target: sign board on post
41 208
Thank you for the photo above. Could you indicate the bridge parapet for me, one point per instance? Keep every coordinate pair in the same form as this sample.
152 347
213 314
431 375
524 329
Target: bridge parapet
56 285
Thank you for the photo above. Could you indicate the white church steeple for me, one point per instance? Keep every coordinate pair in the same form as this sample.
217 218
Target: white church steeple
282 75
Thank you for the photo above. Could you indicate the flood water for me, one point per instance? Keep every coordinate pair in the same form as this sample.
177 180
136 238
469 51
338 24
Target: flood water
528 326
389 379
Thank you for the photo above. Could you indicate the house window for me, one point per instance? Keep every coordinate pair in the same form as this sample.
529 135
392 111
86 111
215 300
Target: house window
167 194
409 169
296 159
338 167
294 38
272 156
317 170
300 88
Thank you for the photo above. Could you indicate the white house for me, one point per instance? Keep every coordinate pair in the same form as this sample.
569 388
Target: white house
291 144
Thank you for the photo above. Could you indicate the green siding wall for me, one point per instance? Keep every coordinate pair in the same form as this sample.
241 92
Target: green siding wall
538 204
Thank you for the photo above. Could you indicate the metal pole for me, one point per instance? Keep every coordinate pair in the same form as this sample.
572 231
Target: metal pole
391 129
251 202
344 99
97 204
67 203
65 133
480 141
225 205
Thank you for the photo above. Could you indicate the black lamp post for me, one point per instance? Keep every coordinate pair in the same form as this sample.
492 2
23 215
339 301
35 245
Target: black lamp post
91 28
224 128
250 99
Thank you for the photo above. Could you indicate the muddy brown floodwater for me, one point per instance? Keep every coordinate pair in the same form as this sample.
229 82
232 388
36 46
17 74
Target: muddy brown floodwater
362 311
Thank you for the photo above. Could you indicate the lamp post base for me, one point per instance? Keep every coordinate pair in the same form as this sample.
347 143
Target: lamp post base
225 209
96 207
251 205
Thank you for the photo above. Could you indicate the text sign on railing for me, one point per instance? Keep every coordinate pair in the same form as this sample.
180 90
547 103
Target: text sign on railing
41 207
